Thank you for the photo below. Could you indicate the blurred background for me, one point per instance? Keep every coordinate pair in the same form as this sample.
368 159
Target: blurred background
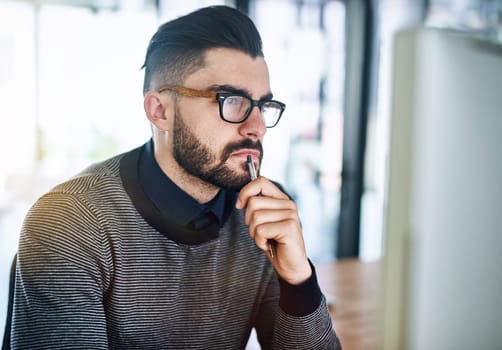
71 94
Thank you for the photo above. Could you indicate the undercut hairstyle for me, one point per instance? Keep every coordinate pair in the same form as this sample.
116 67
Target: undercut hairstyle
177 49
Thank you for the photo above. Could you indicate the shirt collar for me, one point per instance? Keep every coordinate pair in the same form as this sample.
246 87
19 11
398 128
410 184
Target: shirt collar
171 200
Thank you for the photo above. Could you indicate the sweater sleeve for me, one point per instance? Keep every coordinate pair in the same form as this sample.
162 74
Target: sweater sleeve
58 281
300 300
301 317
313 331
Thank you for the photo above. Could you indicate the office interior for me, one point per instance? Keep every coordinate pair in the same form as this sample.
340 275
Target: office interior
70 95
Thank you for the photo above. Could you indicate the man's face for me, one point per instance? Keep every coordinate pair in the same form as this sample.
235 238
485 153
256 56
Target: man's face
208 147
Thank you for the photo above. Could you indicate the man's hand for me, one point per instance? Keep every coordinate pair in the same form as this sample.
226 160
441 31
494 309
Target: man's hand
271 215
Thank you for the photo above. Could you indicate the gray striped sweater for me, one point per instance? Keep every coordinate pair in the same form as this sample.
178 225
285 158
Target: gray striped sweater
94 274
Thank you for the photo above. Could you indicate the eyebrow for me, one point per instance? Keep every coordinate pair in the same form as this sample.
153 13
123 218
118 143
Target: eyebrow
236 90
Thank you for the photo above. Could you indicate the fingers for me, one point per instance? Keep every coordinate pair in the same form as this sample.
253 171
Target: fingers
268 209
260 186
270 223
272 218
262 209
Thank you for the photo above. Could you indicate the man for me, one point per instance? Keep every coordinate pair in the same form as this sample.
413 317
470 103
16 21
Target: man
170 246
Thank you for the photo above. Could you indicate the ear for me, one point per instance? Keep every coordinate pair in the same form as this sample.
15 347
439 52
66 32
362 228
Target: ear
159 110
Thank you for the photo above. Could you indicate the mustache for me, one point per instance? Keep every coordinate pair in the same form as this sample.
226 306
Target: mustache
245 144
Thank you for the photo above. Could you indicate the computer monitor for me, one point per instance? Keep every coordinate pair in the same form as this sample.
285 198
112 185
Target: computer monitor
442 265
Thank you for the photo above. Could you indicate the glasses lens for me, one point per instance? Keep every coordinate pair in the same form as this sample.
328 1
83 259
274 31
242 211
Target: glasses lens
271 112
235 108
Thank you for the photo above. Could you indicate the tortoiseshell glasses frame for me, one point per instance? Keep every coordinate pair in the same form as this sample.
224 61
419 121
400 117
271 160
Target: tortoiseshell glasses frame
235 108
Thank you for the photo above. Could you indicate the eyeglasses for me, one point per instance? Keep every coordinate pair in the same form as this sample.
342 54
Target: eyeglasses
235 108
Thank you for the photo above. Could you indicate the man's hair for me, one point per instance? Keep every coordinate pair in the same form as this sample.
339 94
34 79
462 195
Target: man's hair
177 49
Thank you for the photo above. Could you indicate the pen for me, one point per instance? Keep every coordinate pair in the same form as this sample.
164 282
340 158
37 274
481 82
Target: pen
252 173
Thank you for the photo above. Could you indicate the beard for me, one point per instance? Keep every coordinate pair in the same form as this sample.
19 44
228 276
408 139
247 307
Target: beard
198 160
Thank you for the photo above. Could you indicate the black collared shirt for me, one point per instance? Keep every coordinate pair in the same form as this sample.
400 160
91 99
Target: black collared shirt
176 205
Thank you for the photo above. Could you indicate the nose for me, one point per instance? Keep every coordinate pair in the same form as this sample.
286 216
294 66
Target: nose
254 126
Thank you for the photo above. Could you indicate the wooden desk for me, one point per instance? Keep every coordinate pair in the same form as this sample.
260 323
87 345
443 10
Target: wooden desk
352 289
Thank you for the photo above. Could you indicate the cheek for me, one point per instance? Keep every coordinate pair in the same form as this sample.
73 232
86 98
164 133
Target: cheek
211 132
216 145
215 136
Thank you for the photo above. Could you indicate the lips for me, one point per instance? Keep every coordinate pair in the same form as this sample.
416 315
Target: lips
242 149
244 153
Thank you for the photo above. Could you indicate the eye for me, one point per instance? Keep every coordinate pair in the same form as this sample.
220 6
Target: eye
270 104
234 100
